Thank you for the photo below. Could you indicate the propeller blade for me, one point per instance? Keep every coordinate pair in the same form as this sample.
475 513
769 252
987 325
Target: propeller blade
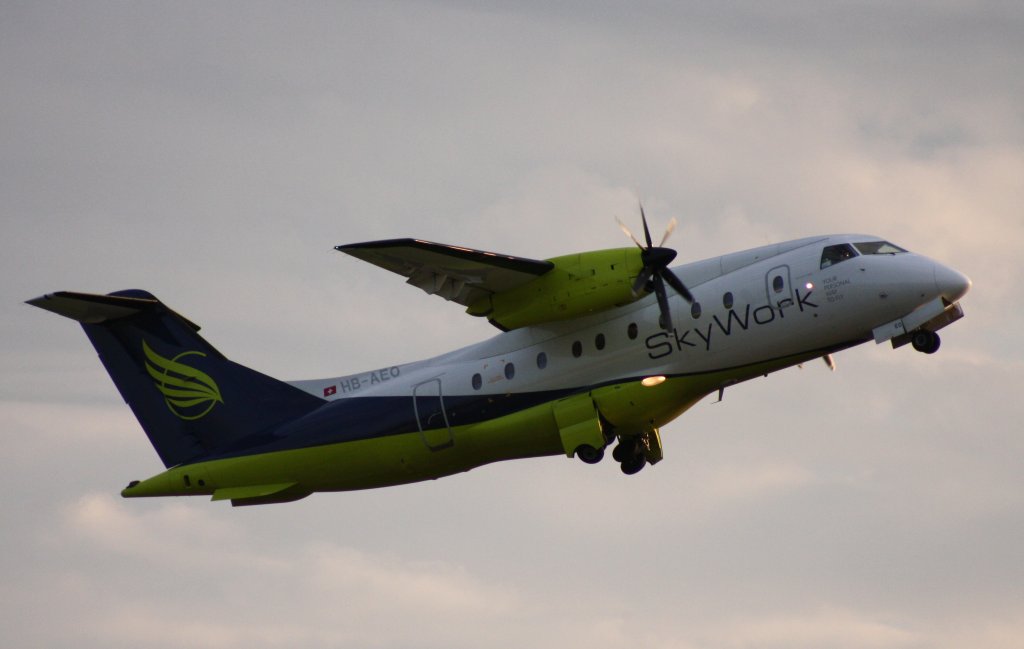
671 226
641 280
647 231
666 313
655 268
628 233
677 284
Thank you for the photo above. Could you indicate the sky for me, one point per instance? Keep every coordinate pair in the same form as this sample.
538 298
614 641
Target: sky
214 153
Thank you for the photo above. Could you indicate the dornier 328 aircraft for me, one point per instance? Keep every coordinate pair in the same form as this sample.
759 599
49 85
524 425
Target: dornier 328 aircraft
598 349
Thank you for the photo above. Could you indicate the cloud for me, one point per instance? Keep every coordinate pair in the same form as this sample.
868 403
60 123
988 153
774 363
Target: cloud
215 154
335 593
108 523
725 485
824 627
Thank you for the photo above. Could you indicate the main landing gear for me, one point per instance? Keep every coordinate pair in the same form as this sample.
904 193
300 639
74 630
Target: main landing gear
633 452
926 342
629 453
589 454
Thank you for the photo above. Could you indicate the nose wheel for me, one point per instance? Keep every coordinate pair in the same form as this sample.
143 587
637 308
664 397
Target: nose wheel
926 342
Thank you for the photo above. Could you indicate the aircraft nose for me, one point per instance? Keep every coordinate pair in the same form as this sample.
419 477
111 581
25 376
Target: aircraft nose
951 284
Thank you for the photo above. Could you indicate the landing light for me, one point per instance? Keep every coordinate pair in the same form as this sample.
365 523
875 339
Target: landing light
652 381
809 286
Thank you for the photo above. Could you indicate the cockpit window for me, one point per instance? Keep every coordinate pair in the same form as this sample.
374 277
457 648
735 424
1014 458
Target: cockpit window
877 248
837 253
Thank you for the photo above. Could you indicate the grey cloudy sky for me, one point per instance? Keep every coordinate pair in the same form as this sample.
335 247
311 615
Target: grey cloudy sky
213 153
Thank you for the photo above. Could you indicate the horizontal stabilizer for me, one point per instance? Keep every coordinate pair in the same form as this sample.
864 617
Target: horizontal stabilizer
250 491
94 309
261 494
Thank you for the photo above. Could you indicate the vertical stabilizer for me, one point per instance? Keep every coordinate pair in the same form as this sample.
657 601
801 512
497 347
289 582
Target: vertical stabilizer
191 400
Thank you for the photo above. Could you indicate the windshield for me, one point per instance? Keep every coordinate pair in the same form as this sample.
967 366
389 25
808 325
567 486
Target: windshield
878 248
835 254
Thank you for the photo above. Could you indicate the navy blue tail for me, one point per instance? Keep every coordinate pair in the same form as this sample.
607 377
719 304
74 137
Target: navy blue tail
191 400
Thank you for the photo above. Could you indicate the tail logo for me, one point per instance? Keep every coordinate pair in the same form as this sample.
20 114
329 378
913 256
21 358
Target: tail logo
189 393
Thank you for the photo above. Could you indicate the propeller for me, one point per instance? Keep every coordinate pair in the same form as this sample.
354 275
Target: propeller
655 272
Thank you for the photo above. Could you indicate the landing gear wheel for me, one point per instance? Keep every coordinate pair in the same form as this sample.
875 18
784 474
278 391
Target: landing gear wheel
589 454
634 464
926 342
625 449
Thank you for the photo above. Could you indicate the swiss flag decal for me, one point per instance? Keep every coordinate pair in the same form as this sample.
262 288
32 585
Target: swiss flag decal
330 389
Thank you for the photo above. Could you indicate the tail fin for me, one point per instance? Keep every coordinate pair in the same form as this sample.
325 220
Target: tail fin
191 400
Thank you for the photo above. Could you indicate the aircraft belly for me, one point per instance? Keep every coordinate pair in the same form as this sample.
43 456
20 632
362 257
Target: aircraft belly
631 407
404 458
361 464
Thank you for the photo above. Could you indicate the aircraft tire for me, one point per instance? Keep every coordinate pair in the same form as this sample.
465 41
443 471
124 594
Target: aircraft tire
625 449
926 342
589 454
633 465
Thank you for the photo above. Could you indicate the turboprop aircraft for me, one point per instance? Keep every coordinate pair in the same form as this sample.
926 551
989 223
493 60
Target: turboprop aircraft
594 352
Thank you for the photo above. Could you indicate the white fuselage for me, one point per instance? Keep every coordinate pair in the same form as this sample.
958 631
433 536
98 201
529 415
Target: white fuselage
751 307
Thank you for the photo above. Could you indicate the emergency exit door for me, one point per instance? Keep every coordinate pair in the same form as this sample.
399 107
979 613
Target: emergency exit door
428 405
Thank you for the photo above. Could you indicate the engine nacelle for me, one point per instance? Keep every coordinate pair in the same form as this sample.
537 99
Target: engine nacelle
578 285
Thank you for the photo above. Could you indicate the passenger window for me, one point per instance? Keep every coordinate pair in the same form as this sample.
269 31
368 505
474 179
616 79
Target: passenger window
542 360
510 371
632 331
478 381
727 300
835 254
577 349
778 284
599 342
695 310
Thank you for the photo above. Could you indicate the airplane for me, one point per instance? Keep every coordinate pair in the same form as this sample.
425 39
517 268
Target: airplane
594 352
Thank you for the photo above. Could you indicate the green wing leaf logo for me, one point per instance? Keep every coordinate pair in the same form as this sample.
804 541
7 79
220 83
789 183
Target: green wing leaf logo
189 393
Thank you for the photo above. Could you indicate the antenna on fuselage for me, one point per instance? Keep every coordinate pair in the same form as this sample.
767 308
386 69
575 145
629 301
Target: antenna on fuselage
829 361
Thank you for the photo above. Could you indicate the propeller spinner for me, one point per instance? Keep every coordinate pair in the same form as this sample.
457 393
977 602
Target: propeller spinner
655 272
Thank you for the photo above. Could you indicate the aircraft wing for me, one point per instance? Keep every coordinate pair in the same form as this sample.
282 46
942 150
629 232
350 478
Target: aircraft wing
457 274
